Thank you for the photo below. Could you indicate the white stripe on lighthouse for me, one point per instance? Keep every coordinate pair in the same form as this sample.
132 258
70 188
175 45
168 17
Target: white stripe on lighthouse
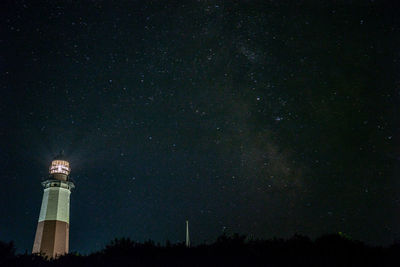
43 208
55 204
63 205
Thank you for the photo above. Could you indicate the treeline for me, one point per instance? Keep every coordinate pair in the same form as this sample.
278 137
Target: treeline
235 250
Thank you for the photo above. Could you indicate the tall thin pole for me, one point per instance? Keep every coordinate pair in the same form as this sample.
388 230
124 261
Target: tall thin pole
187 234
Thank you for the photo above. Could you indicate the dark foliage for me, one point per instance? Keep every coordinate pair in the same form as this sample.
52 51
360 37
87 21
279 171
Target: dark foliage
236 250
7 252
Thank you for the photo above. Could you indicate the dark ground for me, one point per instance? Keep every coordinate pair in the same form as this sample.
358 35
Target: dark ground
236 250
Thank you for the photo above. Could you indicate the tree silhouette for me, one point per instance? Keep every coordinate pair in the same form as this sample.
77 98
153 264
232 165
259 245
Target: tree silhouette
227 250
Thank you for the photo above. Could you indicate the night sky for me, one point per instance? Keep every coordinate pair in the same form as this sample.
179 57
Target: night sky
262 119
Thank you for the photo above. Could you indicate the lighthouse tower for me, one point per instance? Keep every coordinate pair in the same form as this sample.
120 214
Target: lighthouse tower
52 232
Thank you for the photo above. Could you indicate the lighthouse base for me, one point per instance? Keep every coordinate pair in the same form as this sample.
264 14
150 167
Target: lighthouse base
51 238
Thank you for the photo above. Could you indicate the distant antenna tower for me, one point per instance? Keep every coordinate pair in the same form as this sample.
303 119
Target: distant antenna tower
187 234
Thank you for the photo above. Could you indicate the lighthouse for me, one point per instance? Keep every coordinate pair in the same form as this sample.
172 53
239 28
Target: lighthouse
52 232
